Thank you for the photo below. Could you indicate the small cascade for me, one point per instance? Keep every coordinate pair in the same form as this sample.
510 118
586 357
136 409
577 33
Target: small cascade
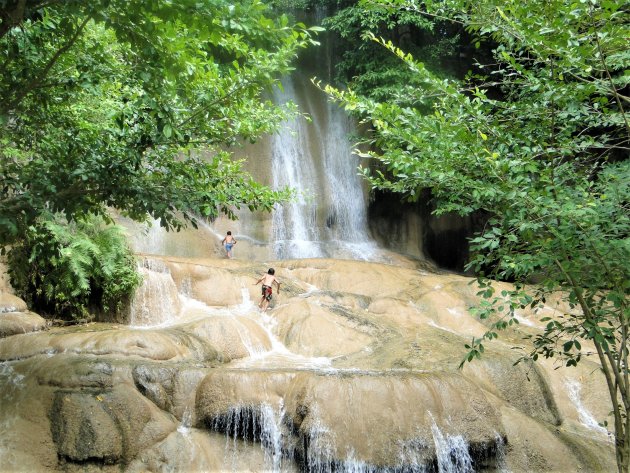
412 456
156 301
279 355
147 238
348 465
573 389
185 287
254 348
319 456
451 452
271 435
187 421
260 424
247 304
152 238
501 460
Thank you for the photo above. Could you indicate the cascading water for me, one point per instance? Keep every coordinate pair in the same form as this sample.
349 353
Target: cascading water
156 301
261 424
353 409
224 387
573 388
269 427
329 216
451 452
294 225
265 425
501 461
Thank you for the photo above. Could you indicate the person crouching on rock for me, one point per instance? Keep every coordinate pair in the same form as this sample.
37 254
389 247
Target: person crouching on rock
267 281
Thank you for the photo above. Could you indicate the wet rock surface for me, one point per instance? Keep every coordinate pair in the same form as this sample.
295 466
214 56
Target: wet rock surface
354 368
10 302
13 323
15 317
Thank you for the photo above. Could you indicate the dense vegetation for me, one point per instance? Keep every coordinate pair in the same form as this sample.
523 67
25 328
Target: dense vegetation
105 104
443 46
74 270
538 140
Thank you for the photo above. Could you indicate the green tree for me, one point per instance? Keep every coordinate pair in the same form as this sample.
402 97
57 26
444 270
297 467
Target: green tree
539 143
368 68
106 103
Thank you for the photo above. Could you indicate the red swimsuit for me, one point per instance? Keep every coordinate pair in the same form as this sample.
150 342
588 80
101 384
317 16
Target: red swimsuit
266 292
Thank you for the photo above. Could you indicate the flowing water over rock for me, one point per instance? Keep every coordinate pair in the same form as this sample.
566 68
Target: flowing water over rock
315 157
354 369
329 218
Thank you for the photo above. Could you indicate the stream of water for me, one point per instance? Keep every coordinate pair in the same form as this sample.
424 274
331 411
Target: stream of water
266 424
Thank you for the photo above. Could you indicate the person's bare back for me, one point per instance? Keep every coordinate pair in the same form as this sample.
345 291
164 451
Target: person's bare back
228 242
267 281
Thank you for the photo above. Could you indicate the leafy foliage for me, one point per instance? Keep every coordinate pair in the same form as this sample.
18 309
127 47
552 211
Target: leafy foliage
370 70
130 105
540 144
67 270
104 104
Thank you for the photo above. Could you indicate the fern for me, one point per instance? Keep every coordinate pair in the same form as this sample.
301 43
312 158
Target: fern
65 270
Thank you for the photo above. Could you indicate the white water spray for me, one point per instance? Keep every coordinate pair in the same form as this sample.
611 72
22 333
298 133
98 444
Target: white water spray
261 424
329 217
451 452
156 301
573 388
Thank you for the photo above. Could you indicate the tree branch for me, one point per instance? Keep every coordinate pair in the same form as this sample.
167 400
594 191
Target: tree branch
12 18
607 71
24 91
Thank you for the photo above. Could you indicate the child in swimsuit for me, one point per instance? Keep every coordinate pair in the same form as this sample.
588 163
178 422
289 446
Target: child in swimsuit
228 242
267 279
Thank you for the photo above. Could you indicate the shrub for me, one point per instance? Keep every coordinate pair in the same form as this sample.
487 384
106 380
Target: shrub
70 270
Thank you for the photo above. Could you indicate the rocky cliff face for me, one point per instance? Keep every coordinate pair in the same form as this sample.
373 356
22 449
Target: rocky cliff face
353 369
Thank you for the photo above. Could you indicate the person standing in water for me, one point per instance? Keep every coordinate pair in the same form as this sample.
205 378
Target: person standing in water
267 280
228 242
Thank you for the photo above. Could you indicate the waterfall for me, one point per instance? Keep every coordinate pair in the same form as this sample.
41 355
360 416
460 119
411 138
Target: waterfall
573 389
260 424
314 156
451 452
266 425
294 226
501 460
328 218
156 301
